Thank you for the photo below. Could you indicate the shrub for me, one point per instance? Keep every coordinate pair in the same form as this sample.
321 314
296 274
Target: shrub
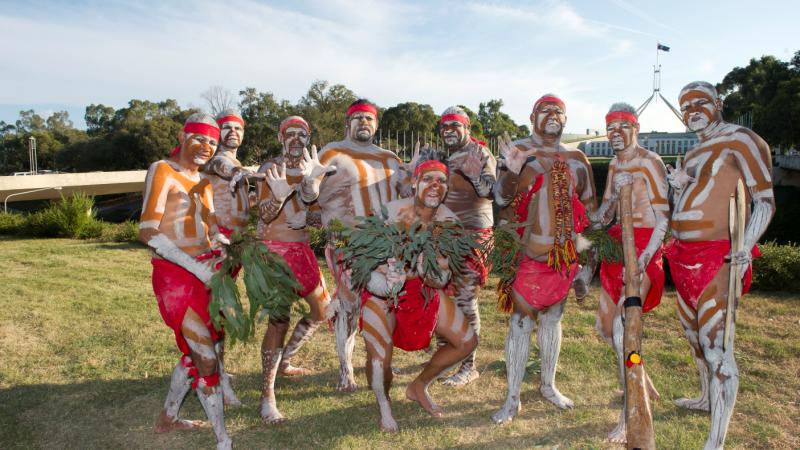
12 223
72 217
318 238
778 268
127 231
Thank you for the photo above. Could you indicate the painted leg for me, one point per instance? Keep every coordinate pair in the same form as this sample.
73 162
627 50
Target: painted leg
211 399
225 378
467 301
549 340
271 352
378 325
518 345
303 331
179 386
688 319
618 434
461 341
345 332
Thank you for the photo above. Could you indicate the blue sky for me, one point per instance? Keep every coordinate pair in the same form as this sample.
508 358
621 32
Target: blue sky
66 55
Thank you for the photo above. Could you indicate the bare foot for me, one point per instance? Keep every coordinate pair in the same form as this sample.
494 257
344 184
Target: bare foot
507 413
347 384
462 378
228 395
289 370
555 397
165 424
270 414
418 392
699 403
389 425
617 435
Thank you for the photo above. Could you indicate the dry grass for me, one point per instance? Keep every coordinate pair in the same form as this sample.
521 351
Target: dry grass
86 360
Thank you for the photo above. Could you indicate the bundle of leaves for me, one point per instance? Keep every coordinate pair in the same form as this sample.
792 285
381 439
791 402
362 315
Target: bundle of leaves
503 252
604 246
372 242
270 284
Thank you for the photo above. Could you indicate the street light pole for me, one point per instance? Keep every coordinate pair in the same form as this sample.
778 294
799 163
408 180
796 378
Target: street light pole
5 202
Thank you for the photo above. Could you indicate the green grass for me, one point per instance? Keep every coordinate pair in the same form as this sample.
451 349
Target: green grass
86 360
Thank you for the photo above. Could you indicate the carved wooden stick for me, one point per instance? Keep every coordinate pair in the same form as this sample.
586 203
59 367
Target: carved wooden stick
736 224
638 413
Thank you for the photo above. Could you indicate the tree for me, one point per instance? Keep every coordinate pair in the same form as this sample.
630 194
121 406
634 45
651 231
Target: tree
218 99
770 90
325 109
99 119
262 115
59 122
496 122
407 118
30 121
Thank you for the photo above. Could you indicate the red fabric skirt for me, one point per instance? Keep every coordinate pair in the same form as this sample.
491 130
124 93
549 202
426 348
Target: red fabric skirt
177 290
415 323
540 285
693 264
611 272
302 261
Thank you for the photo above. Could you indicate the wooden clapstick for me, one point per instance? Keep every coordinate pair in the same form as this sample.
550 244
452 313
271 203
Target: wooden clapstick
638 412
736 224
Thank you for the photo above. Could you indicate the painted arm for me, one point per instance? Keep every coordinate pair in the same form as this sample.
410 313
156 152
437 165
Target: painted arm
313 174
480 168
155 199
273 192
758 179
657 192
608 208
513 160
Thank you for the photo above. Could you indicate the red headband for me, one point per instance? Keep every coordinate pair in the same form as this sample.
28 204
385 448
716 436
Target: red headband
230 118
456 118
198 128
362 107
621 115
430 165
549 99
299 121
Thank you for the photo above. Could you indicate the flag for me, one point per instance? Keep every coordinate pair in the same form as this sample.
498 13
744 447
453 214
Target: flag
662 47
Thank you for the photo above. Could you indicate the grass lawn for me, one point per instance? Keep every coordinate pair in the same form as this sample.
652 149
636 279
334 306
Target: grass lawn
85 363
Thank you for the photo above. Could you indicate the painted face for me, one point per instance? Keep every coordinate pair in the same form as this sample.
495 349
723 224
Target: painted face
454 134
621 134
362 126
199 148
431 188
549 119
231 134
295 139
699 109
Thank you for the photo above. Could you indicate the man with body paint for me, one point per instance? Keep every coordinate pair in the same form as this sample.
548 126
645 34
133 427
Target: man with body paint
231 203
470 198
351 178
643 169
176 222
547 187
282 227
700 256
411 324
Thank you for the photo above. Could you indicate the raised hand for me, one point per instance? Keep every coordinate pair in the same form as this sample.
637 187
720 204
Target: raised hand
473 163
276 180
677 177
310 167
514 157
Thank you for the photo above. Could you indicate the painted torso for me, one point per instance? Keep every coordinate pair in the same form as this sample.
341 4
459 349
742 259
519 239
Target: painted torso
717 163
278 229
231 209
649 186
178 205
366 177
473 209
543 225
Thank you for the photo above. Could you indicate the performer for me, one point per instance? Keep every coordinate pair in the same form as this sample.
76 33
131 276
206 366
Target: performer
177 220
282 227
231 204
697 257
549 188
645 170
469 197
351 178
411 324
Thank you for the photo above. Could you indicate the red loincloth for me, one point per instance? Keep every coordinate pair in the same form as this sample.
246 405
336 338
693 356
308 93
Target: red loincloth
693 264
302 261
414 322
177 290
476 263
611 272
540 285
